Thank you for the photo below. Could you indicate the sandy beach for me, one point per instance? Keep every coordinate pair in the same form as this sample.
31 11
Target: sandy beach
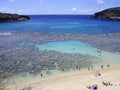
75 80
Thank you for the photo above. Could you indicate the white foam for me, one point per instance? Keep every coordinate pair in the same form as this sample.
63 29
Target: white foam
6 34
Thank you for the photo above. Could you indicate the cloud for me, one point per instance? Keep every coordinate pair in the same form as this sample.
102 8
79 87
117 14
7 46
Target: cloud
101 1
85 11
80 11
26 10
74 9
20 11
9 10
5 9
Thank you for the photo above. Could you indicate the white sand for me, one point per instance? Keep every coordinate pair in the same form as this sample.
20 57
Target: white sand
76 80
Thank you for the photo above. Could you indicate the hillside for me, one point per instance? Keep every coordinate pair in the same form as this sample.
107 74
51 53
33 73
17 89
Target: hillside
111 13
12 17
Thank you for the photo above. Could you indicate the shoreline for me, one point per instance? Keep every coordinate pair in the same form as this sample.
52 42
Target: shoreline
74 80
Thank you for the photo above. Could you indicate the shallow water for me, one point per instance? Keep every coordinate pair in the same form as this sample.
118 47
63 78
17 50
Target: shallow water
74 46
71 46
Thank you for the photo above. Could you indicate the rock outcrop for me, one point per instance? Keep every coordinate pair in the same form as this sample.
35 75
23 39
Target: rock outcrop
111 13
12 17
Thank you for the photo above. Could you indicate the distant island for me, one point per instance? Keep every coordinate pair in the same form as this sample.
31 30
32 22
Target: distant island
12 17
111 13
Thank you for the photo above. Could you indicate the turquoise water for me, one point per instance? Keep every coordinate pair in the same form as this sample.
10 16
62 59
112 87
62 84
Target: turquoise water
75 46
70 46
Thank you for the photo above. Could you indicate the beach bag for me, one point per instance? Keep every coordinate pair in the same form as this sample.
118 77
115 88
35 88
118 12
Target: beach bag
94 87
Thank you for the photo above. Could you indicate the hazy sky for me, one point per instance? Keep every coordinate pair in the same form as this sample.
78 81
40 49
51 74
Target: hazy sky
56 6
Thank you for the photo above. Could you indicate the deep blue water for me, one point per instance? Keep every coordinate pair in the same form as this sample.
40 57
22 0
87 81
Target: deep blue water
62 24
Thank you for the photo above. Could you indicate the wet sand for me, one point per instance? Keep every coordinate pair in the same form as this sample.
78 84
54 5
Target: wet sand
75 80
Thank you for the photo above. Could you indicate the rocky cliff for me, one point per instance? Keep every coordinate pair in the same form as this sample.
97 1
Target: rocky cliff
12 17
111 13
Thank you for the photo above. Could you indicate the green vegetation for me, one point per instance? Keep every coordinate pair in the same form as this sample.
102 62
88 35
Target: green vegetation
3 81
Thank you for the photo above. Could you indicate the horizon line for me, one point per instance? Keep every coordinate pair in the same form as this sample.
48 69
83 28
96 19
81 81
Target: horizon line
57 14
48 13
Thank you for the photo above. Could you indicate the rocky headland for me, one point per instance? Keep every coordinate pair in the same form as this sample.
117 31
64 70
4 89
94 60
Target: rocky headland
111 13
13 17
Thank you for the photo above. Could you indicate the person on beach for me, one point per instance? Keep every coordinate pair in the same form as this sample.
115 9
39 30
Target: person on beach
102 66
77 67
63 70
97 73
41 75
88 68
108 66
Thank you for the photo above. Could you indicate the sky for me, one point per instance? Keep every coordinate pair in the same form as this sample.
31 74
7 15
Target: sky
29 7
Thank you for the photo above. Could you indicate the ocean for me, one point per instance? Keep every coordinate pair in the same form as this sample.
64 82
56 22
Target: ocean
82 24
88 44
